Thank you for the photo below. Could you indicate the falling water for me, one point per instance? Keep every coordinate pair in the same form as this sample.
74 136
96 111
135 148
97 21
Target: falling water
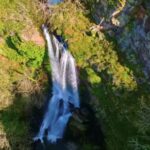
64 91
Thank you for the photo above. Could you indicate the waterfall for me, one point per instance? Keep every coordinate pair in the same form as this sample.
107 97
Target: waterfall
64 90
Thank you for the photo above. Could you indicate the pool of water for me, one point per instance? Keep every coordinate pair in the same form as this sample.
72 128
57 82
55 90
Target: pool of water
54 2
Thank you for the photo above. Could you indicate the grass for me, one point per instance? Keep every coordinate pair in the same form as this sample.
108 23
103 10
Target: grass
16 126
20 74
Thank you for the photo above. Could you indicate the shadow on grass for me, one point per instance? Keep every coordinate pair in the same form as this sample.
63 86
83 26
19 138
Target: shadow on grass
104 111
107 117
22 121
117 109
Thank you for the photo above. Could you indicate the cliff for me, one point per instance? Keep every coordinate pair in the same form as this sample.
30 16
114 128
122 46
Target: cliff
110 41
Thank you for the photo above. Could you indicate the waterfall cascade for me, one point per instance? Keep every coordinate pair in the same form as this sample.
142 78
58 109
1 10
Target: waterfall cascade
64 91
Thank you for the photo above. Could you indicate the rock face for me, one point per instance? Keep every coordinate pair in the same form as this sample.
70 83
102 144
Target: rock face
130 23
139 41
32 34
137 38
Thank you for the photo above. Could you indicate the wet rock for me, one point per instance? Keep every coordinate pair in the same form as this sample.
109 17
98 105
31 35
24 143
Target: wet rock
77 123
71 146
60 145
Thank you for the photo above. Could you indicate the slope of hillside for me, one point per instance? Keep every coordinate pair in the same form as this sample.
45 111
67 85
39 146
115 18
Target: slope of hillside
114 80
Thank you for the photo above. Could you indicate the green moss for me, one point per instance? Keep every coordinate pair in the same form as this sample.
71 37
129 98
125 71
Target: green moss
32 54
27 53
92 77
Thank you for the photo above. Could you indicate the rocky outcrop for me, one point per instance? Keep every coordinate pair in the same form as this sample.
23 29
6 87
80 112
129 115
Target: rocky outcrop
32 34
137 38
130 23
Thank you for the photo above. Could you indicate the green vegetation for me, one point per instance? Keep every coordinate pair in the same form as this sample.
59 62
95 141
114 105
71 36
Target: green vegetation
27 53
16 125
91 49
13 16
111 77
119 100
21 75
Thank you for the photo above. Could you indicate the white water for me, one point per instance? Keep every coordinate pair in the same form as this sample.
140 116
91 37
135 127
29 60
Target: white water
64 92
